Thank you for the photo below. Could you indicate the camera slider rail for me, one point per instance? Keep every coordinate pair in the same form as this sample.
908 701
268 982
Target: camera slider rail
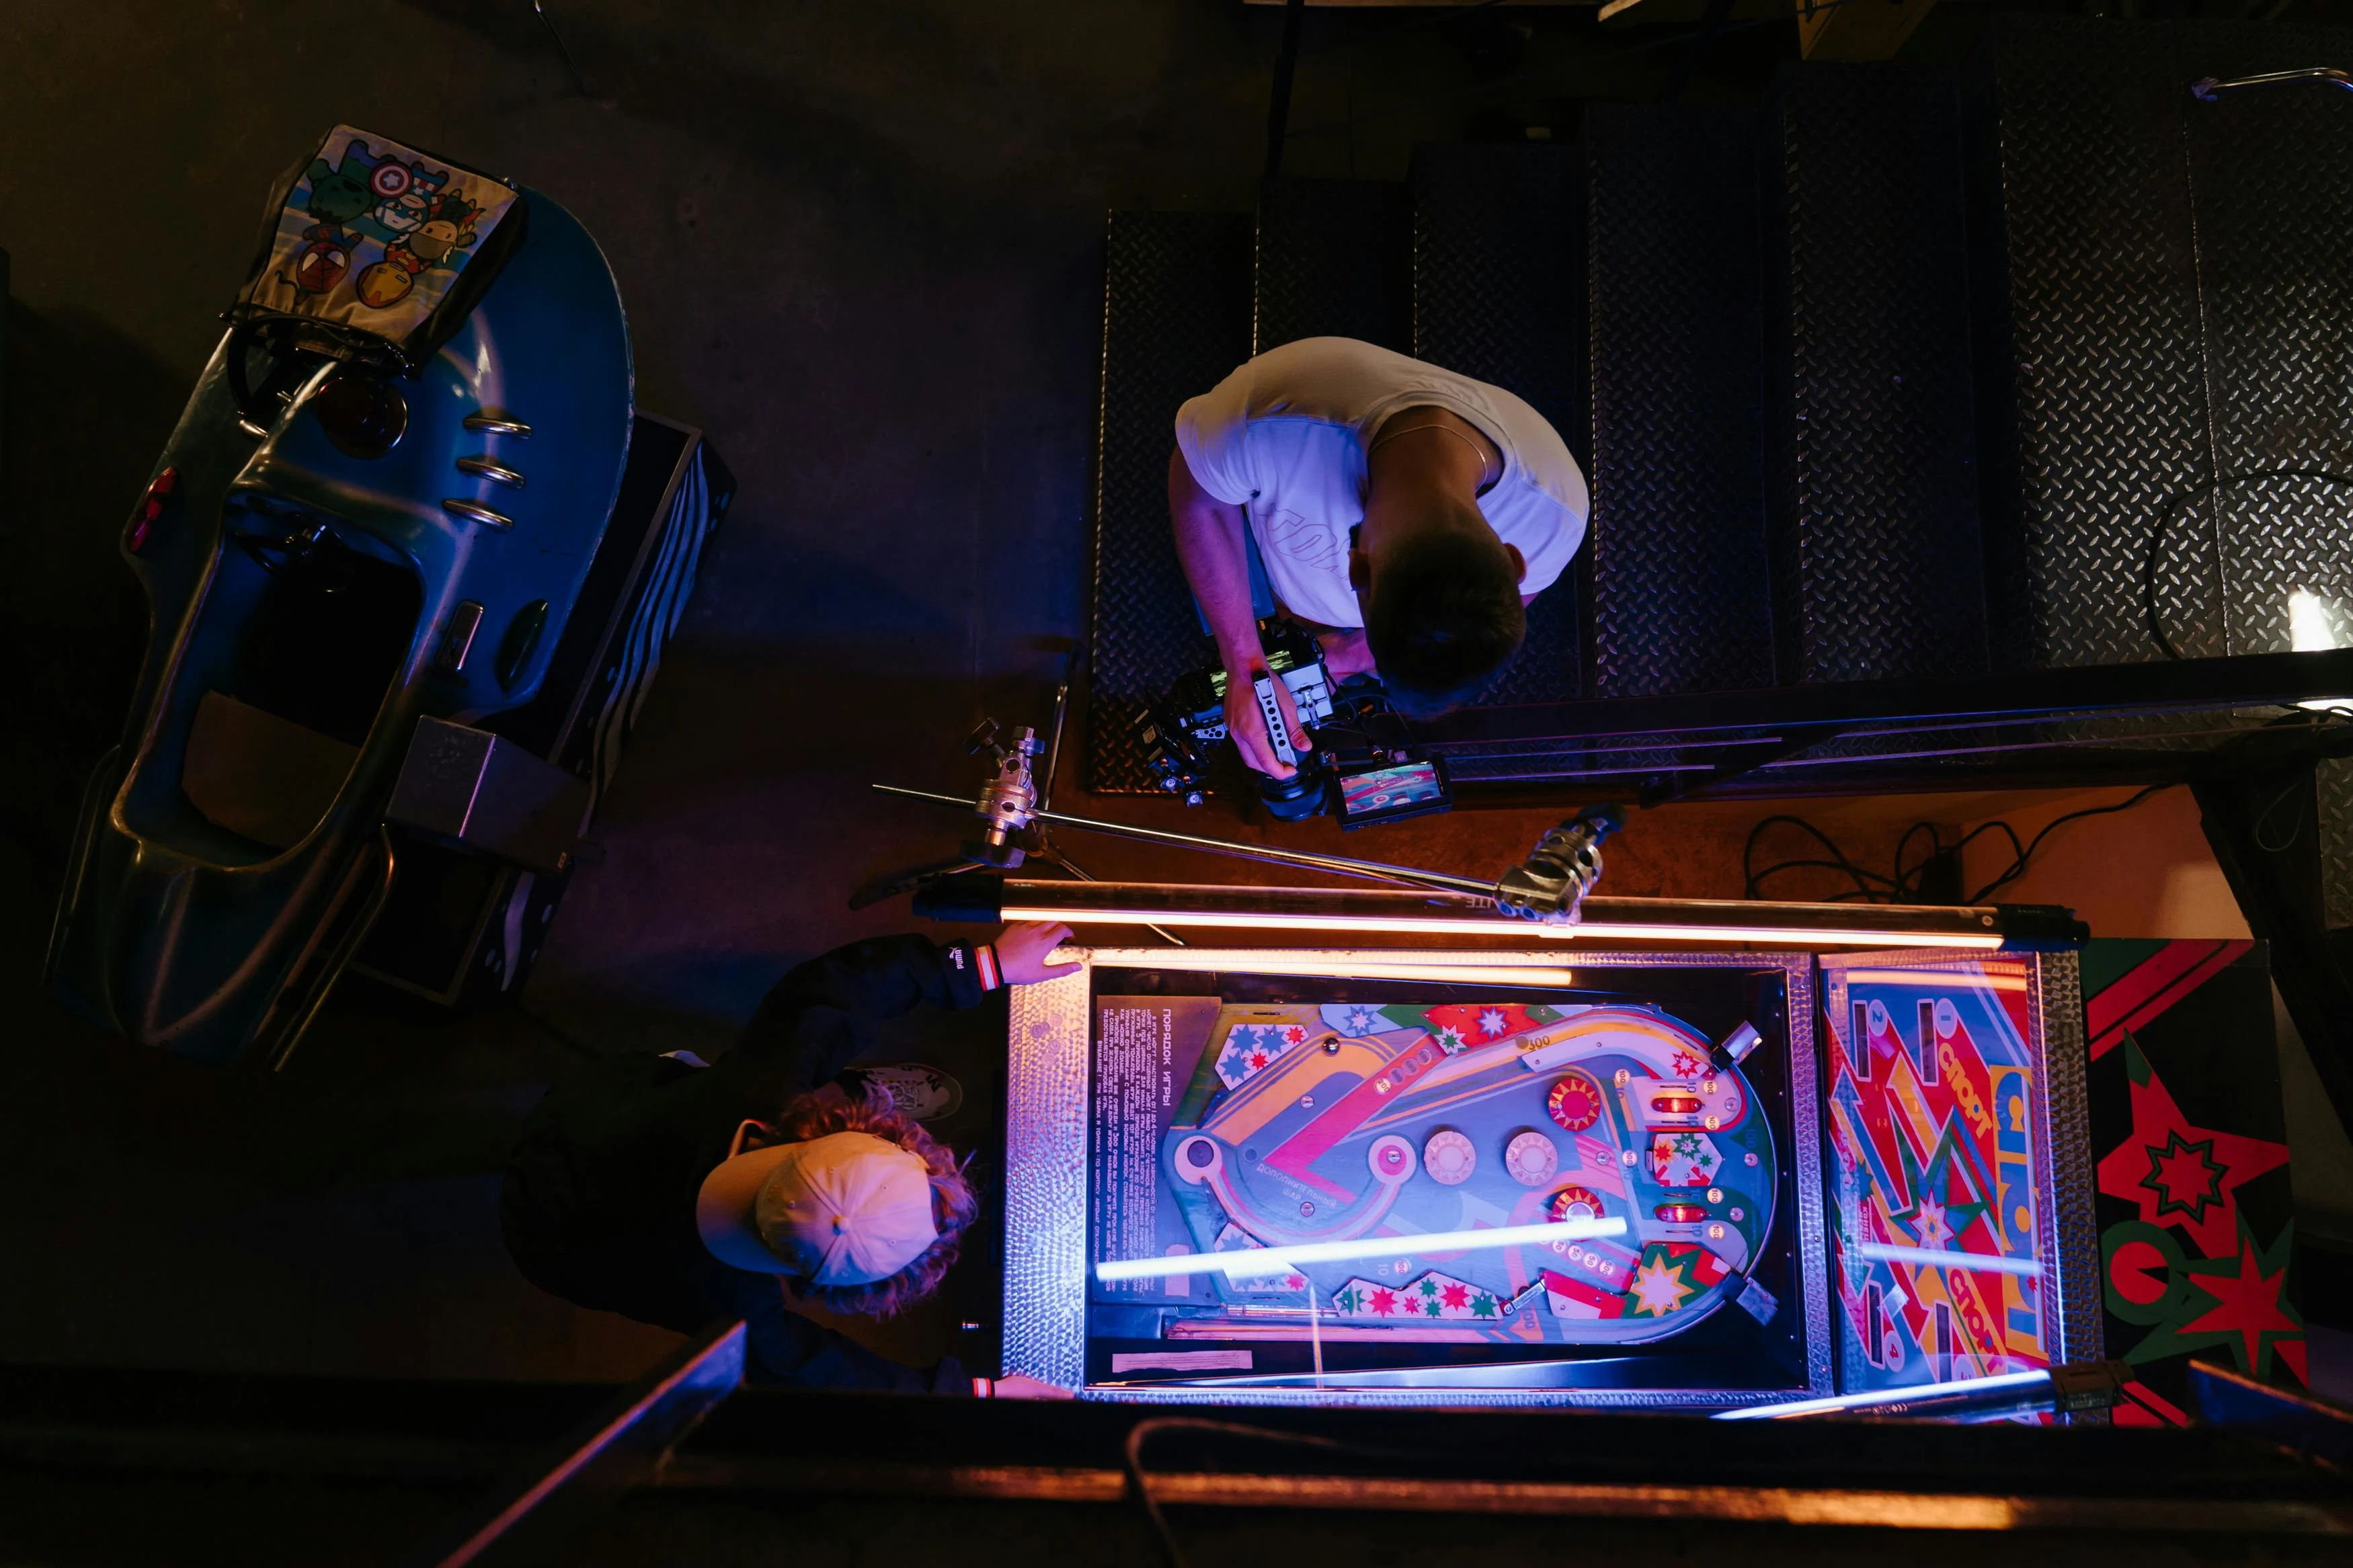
1549 886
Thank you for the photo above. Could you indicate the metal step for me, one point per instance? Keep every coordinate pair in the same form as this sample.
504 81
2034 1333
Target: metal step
1176 319
1679 599
2335 788
2166 301
1334 258
1878 569
1495 295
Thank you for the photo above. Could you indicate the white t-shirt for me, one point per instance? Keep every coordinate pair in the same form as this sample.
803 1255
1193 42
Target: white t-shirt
1284 435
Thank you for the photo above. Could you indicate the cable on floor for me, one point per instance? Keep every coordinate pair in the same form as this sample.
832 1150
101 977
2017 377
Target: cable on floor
1902 883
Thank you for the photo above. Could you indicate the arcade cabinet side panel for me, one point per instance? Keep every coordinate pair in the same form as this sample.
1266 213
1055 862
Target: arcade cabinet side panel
2195 1216
1952 1113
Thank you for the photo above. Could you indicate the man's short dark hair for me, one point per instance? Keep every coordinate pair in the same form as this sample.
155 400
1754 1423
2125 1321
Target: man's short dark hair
1444 620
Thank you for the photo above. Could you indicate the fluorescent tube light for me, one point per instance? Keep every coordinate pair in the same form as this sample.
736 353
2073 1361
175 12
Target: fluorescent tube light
1936 1258
1256 1262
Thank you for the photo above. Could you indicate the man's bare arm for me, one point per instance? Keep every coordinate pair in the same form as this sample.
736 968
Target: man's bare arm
1210 546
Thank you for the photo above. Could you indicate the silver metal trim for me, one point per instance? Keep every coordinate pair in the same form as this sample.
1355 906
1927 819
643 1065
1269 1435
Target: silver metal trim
496 472
474 511
1048 1083
2068 1230
497 425
457 641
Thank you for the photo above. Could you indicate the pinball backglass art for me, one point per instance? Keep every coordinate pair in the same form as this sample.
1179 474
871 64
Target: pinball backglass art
1390 1127
1958 1162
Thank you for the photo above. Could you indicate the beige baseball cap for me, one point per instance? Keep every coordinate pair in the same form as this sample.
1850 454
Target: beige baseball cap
847 1208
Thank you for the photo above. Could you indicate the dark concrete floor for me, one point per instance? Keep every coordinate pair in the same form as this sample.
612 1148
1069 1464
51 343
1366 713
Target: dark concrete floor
861 246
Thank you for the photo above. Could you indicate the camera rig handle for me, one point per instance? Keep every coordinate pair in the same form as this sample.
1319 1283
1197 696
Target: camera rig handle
1009 802
1551 883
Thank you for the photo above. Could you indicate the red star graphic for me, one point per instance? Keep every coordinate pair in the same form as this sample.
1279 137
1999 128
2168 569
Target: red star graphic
2246 1304
1456 1296
2159 1129
1384 1302
2182 1175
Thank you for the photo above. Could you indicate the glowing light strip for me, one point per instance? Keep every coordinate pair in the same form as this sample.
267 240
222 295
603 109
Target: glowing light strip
1254 1261
1342 961
1454 968
1937 1257
1603 931
2020 1381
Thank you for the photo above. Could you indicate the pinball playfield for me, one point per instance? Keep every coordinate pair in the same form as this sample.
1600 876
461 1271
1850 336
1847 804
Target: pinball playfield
1677 1180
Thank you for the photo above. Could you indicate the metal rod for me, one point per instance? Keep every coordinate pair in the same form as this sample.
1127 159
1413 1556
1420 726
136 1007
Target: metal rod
569 63
1055 857
2204 89
1339 864
1054 745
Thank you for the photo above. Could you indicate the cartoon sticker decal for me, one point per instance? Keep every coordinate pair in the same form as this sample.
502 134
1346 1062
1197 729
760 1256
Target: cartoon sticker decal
375 234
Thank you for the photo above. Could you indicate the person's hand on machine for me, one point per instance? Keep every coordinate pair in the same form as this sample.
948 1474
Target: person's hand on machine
1023 947
1246 724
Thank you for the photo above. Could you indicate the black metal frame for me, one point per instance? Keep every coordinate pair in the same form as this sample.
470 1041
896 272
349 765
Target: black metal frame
1703 740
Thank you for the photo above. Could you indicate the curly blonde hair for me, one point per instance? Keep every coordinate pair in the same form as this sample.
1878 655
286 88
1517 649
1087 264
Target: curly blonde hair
829 1110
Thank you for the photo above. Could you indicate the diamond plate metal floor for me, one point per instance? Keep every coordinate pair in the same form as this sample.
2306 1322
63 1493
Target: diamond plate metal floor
1332 259
1495 293
1176 318
2168 278
1877 563
1679 570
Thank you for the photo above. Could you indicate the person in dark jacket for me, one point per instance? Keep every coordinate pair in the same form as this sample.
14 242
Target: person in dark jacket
679 1195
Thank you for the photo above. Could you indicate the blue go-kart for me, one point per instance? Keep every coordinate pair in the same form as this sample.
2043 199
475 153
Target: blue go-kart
411 556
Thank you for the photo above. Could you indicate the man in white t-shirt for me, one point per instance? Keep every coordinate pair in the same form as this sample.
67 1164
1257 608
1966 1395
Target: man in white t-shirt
1409 514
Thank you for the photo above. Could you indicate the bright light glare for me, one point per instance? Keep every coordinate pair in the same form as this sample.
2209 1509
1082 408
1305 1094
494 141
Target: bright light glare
2312 629
2023 1381
1934 1258
1255 1262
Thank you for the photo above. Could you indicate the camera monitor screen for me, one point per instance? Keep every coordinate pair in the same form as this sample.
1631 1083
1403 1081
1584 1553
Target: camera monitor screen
1383 794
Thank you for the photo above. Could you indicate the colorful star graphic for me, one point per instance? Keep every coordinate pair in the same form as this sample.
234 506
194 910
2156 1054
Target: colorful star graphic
2245 1293
1930 1184
1450 1040
1686 1065
1456 1295
1658 1288
2164 1144
1482 1305
1348 1300
2233 1300
1928 1222
1383 1301
2185 1177
1491 1022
